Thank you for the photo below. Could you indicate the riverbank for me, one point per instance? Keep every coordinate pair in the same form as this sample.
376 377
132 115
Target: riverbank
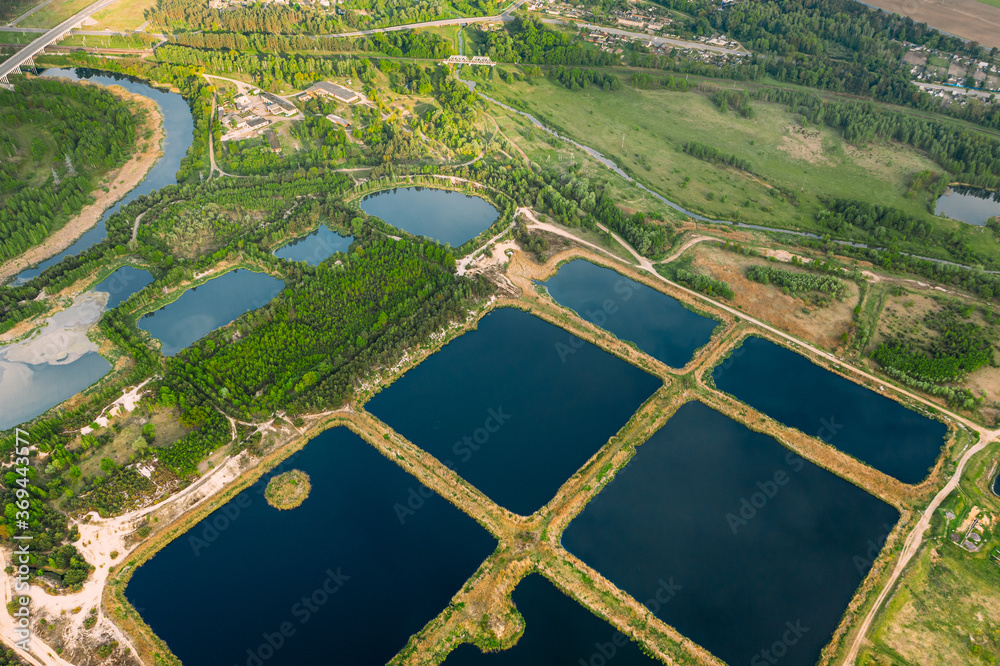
118 184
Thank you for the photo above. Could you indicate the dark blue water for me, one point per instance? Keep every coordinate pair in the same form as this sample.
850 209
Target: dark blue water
557 631
737 542
969 204
315 247
27 391
178 127
447 217
201 310
658 324
996 486
860 422
515 407
337 580
123 283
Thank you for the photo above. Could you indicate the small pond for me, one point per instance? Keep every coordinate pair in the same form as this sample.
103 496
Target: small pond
447 217
28 390
201 310
968 204
123 283
315 247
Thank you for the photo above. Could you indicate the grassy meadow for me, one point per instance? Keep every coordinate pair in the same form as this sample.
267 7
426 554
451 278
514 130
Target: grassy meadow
793 168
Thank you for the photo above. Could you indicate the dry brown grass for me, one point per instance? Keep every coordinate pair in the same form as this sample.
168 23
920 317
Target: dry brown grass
819 326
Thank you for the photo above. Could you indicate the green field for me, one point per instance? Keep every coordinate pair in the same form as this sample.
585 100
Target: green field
793 167
945 610
938 61
123 15
17 37
54 13
991 3
11 9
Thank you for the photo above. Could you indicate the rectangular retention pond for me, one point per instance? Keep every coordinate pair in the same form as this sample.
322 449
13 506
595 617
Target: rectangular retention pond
658 324
557 630
793 390
339 576
201 310
515 407
743 546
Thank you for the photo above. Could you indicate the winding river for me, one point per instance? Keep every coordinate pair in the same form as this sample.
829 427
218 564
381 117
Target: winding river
59 361
178 135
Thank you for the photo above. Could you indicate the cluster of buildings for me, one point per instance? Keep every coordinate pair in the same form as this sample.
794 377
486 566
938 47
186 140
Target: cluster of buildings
615 43
252 112
935 67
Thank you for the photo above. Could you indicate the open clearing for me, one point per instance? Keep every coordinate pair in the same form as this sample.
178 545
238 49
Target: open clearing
794 167
820 326
123 15
54 13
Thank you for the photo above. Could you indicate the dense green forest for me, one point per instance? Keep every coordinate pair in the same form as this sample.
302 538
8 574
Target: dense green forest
526 40
844 46
705 284
394 44
578 79
57 140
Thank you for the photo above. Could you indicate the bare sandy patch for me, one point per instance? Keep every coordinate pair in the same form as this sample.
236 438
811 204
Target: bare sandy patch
119 184
820 326
803 144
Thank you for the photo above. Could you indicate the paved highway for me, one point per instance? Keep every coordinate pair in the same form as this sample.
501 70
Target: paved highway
12 65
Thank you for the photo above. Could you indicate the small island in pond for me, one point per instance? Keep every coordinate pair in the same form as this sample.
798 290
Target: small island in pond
288 490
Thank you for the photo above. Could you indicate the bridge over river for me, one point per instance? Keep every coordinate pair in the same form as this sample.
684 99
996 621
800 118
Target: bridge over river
27 54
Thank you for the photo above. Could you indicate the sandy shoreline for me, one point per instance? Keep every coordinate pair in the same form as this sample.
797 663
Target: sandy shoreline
124 180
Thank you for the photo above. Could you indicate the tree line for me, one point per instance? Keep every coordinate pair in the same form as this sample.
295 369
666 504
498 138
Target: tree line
710 154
